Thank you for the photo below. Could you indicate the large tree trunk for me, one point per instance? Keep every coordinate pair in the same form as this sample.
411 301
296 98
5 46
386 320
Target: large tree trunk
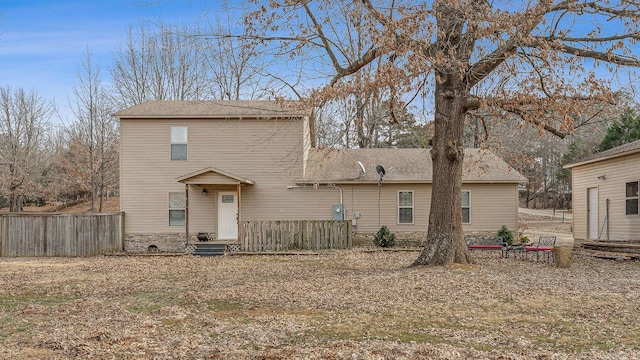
444 243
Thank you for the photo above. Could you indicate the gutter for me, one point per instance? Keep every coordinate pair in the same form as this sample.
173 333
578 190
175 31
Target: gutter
598 159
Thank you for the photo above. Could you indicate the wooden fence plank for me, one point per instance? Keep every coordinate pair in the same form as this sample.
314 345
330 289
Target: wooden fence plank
285 235
60 234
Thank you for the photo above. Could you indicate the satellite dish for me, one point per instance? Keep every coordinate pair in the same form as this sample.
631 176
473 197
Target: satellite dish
381 172
363 171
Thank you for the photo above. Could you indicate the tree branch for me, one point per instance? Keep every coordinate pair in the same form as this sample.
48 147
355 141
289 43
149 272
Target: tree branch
325 42
523 115
631 36
591 54
365 59
529 20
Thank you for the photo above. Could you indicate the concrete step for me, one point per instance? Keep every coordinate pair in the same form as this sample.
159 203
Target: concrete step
209 249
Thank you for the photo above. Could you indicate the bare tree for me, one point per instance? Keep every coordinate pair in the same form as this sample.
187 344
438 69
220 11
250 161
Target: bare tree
160 64
540 158
180 63
24 120
530 59
91 138
357 122
236 72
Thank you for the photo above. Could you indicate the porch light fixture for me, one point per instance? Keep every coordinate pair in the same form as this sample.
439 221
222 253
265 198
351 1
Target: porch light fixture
602 177
204 191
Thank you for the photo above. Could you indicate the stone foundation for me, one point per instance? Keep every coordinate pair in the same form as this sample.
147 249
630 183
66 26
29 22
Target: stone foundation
171 243
481 238
143 243
174 242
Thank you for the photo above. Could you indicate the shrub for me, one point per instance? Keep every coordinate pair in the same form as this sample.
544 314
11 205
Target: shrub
524 239
506 234
384 238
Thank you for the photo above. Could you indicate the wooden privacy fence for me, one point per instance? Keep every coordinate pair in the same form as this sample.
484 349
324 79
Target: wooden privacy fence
60 234
283 235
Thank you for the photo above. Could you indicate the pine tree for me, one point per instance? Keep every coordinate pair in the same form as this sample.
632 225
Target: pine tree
622 131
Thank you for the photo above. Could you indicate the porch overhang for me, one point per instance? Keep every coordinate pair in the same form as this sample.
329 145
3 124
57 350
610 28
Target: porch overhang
213 176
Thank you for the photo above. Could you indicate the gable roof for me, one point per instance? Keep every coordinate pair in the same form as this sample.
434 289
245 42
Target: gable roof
622 150
163 109
213 176
401 166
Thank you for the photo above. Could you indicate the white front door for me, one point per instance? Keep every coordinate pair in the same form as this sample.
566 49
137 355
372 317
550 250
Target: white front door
227 215
592 213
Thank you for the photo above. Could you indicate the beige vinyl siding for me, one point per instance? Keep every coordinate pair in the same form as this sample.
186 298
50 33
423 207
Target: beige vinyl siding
276 202
306 144
364 200
492 205
268 152
617 171
201 218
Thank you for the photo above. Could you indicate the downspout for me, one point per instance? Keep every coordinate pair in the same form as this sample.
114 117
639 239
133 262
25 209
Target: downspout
607 217
186 212
319 186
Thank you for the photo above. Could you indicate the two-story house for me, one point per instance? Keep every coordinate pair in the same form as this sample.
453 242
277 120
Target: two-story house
204 166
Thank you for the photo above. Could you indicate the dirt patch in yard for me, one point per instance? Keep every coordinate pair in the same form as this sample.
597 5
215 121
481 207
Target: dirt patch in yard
111 204
542 223
340 305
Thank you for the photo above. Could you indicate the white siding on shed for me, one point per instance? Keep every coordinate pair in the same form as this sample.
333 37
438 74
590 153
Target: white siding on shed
617 172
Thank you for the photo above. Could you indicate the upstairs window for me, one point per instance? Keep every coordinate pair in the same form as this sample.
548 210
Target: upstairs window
466 207
631 201
405 207
179 143
177 206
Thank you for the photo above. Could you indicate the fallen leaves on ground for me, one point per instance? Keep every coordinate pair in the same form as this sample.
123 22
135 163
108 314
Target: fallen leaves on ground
340 305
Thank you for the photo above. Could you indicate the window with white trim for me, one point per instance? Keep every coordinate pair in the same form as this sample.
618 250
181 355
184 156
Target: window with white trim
179 136
466 207
177 209
631 198
405 207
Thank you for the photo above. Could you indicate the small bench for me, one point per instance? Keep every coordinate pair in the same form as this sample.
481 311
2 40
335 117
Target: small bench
546 245
498 244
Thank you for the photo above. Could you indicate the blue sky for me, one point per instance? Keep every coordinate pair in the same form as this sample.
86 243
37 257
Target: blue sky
42 41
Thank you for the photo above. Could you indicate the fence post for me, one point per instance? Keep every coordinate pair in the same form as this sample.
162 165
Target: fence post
122 220
2 235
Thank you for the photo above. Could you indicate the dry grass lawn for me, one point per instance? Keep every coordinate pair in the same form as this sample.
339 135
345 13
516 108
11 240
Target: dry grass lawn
341 305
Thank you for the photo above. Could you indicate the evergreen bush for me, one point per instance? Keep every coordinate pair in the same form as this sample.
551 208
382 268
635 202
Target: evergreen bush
506 234
384 238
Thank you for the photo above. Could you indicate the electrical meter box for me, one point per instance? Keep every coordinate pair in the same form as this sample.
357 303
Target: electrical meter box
338 212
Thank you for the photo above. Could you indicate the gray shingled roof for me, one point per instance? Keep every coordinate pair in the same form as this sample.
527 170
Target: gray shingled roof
617 151
213 109
401 166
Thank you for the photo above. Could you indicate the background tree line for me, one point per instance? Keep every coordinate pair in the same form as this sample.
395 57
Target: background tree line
45 159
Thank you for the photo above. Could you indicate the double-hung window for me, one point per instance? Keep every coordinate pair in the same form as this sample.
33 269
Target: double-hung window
405 207
177 212
179 137
631 198
466 207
